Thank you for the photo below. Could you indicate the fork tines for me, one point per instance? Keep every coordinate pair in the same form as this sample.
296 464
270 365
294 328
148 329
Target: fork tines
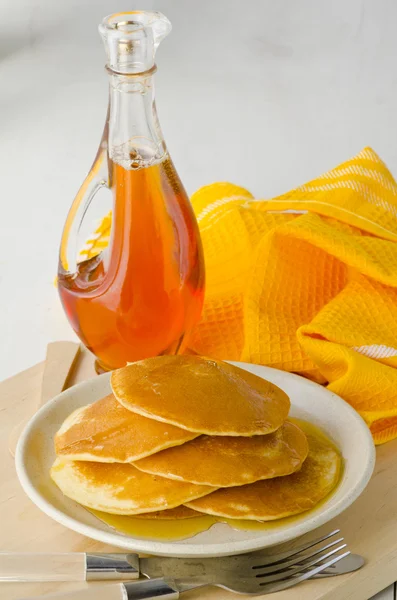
272 558
288 581
299 557
280 571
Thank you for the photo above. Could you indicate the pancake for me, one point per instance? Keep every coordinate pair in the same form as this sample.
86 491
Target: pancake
202 395
224 461
121 489
282 496
105 431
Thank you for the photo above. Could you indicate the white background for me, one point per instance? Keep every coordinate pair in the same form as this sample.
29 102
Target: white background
264 93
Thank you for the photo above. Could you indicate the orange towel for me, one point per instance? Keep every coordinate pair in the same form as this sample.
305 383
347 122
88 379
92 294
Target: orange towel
312 291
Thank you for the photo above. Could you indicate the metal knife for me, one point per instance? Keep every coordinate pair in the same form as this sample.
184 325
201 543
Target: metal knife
80 566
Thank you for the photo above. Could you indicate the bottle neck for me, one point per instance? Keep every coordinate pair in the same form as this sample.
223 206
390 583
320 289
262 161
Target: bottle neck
135 139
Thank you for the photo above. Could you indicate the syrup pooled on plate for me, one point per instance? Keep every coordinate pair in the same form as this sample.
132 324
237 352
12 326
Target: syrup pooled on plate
181 529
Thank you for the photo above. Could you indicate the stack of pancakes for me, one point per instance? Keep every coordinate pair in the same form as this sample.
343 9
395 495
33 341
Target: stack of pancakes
182 434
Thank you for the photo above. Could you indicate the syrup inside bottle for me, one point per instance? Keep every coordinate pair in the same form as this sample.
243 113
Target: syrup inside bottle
143 294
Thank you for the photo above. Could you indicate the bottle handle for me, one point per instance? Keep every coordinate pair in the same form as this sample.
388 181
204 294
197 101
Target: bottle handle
97 178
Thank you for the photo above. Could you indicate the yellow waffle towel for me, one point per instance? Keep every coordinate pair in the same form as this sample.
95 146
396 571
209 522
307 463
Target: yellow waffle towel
307 282
313 291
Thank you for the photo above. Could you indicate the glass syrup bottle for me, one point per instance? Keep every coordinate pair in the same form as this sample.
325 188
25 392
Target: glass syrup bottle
141 294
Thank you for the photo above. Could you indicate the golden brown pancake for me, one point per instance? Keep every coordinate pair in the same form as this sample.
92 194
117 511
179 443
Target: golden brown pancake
121 488
225 461
105 431
280 497
202 395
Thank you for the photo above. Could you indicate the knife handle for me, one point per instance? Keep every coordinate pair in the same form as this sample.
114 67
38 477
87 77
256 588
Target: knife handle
148 589
113 591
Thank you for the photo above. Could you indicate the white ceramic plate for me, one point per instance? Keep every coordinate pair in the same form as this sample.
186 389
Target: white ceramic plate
35 455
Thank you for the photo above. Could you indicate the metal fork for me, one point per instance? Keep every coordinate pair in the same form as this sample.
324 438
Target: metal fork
251 581
261 575
351 563
265 580
218 568
251 574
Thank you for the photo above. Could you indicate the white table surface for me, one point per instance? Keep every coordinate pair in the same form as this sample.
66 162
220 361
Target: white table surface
266 94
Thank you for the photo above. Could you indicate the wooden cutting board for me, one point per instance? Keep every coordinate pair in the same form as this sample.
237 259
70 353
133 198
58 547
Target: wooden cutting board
369 525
